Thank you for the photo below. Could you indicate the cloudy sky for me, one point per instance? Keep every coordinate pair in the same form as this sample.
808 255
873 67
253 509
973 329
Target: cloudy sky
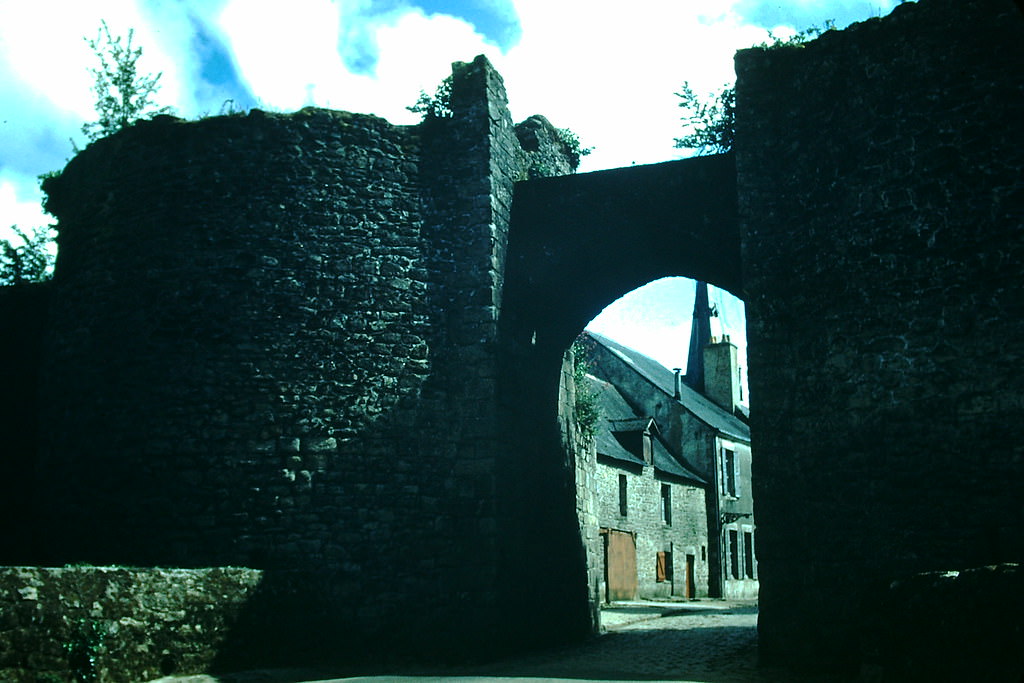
607 70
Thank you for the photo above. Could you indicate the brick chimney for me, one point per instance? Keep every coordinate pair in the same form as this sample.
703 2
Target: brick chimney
721 373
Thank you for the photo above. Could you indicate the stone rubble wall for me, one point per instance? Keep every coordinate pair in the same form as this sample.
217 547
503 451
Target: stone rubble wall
581 451
880 202
687 534
143 623
239 321
273 343
23 310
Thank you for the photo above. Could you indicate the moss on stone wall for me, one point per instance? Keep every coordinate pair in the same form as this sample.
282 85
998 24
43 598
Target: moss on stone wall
138 624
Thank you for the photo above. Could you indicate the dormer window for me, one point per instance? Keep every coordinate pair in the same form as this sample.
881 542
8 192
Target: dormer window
637 437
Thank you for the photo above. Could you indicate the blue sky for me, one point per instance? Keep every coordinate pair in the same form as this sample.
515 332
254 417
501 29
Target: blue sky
606 69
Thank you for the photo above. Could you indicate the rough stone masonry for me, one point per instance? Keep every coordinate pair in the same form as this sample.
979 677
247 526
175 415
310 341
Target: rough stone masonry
330 348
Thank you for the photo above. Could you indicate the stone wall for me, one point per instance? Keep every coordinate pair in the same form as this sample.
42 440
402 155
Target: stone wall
239 304
581 452
273 344
687 534
881 203
23 310
928 622
139 623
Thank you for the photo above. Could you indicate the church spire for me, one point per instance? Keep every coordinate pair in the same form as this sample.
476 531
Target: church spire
700 336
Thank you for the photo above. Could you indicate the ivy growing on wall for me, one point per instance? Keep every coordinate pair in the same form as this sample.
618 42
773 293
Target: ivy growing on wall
586 408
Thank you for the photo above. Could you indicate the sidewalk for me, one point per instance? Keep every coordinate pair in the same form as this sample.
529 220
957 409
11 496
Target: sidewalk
621 613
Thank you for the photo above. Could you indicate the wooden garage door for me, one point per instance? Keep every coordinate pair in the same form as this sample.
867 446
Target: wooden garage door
620 565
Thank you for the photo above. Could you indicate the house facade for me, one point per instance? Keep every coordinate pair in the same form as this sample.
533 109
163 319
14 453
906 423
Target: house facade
707 429
650 507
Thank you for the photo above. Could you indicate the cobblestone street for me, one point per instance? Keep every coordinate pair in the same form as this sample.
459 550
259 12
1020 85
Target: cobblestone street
707 641
702 641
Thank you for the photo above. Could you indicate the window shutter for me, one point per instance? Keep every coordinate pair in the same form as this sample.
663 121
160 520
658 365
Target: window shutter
725 475
736 459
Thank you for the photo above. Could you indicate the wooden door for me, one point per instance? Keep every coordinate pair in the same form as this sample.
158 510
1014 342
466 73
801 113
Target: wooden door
620 565
691 588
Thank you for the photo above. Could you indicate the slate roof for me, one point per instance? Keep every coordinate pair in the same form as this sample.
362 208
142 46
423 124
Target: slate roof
664 379
616 415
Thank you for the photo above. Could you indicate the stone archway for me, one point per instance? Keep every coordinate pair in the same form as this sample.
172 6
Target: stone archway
577 243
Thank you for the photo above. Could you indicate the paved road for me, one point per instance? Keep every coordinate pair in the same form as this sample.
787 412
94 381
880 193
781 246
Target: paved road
706 642
692 642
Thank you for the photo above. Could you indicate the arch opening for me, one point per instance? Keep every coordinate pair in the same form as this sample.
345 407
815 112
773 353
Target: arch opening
577 244
660 410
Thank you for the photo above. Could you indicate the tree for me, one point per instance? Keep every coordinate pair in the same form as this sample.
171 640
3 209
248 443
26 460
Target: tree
123 95
800 38
710 121
32 261
574 148
437 107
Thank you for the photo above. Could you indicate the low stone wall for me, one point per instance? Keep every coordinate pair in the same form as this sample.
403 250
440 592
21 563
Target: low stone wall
140 623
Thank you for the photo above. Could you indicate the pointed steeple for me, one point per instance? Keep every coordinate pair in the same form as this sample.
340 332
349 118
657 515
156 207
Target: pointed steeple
700 336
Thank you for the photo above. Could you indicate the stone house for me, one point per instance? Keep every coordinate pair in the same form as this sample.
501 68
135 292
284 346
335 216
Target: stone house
708 430
651 507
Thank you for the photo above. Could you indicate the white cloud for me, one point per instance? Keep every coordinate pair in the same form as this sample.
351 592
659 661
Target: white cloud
416 53
20 204
608 71
291 57
287 53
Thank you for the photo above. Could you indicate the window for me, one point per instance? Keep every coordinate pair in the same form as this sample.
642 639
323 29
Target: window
622 495
664 567
734 554
666 503
748 553
730 480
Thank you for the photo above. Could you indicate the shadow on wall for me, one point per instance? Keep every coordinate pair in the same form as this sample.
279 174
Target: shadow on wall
25 308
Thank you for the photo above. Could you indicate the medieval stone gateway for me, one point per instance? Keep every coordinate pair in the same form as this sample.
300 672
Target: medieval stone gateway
330 349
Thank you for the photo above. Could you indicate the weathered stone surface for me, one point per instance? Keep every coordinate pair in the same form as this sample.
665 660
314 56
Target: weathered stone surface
144 623
274 344
231 289
880 201
23 314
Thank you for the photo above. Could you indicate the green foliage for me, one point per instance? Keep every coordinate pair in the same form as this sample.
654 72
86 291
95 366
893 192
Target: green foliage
800 38
438 106
123 95
586 408
710 121
49 677
83 649
31 261
575 150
